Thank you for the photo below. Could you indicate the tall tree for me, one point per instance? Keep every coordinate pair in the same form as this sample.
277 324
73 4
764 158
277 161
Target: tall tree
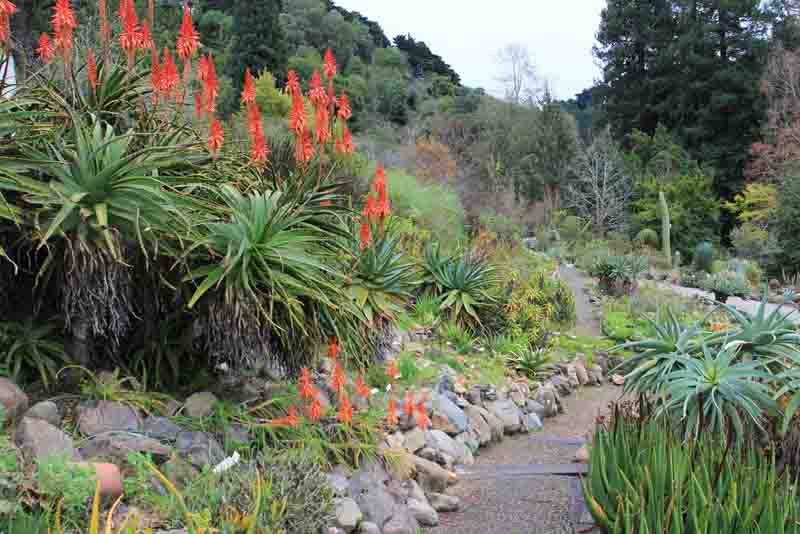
519 79
259 43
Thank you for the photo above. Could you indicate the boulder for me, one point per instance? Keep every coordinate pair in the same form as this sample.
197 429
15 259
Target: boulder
414 440
495 424
395 441
107 416
401 522
200 404
438 440
535 407
162 428
371 487
470 441
446 415
507 412
432 477
414 491
444 503
478 425
618 380
473 396
338 483
45 410
595 374
199 448
40 440
369 528
348 514
581 372
435 455
531 422
115 447
562 385
518 397
423 512
12 399
547 397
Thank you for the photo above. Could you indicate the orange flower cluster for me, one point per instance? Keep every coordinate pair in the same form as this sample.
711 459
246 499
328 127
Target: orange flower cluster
7 10
411 409
188 38
375 208
338 380
91 67
333 349
133 36
46 49
310 394
259 151
216 137
64 24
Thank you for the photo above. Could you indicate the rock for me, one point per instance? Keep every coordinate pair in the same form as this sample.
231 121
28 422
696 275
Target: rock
116 447
446 415
368 488
414 491
508 413
562 385
401 523
338 483
402 465
478 425
531 422
432 477
535 407
369 528
333 530
444 503
45 410
40 440
348 515
470 441
395 441
473 396
436 439
518 398
447 382
582 456
199 448
618 380
200 404
423 513
414 440
595 373
13 399
107 416
495 423
179 471
160 428
547 397
108 476
580 371
774 284
437 456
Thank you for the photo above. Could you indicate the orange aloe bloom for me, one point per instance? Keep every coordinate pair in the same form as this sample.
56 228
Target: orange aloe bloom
345 414
255 126
315 409
45 50
91 67
64 23
292 419
366 237
392 371
333 349
323 129
304 150
408 405
379 183
210 85
345 112
216 137
329 67
338 380
298 119
344 145
316 91
145 38
361 388
259 151
249 92
423 421
392 418
7 10
369 211
292 84
105 28
202 68
168 74
198 104
130 37
188 38
382 210
7 7
306 384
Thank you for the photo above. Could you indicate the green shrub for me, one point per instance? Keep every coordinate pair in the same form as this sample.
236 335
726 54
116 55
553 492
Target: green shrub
704 257
754 243
457 336
727 284
530 363
618 274
647 237
59 480
692 278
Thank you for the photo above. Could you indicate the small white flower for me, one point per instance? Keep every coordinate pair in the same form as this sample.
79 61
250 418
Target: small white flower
388 387
227 463
374 391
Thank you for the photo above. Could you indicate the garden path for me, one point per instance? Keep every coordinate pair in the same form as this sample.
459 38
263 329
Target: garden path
502 493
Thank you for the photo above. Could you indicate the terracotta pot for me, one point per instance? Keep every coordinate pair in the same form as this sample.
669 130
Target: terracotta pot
109 476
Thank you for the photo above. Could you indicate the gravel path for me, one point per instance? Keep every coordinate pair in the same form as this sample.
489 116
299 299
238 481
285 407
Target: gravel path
499 503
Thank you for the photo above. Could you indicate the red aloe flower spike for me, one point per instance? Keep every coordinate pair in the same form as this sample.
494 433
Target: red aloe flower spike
130 38
423 421
306 388
383 210
329 67
7 7
315 410
408 405
361 388
64 23
249 92
304 150
339 380
292 84
169 76
293 420
202 69
45 50
259 151
216 137
254 124
379 183
316 92
370 209
151 12
392 371
91 67
188 38
392 418
297 118
323 129
105 27
5 28
333 349
145 38
345 414
366 237
344 112
211 85
198 104
347 141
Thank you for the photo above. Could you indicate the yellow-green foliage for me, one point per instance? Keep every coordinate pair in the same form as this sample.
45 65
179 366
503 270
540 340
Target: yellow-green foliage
536 305
755 204
272 102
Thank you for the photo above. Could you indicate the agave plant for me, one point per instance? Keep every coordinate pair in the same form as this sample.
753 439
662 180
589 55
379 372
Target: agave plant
25 346
267 267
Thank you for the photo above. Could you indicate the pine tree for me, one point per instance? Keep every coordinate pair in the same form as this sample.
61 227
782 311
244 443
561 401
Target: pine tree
259 43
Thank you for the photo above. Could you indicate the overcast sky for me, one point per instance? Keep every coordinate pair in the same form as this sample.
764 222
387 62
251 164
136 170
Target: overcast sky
468 34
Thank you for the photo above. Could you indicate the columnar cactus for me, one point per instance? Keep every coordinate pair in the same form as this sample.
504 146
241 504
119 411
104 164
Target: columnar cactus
665 227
